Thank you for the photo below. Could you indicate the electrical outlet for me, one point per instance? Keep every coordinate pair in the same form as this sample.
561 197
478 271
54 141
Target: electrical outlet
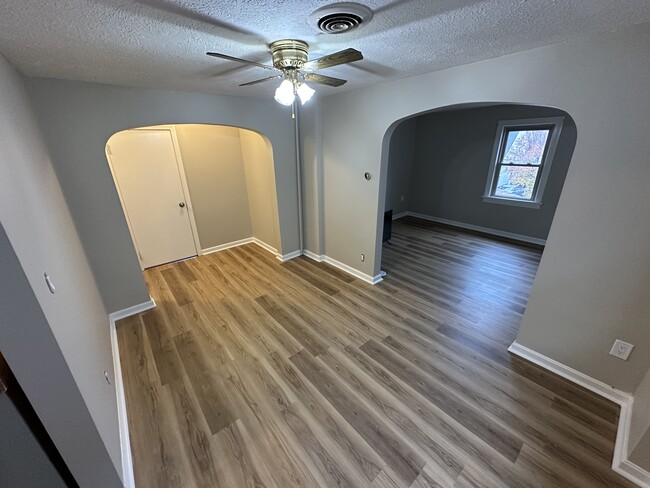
621 349
363 257
108 380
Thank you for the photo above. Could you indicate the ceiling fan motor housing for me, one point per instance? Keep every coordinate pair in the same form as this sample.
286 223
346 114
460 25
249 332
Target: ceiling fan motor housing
289 54
340 17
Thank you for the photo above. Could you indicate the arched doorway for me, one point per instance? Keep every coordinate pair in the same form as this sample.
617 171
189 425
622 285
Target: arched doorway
436 166
192 189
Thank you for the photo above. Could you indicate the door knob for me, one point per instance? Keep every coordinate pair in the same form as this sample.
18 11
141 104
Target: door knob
182 204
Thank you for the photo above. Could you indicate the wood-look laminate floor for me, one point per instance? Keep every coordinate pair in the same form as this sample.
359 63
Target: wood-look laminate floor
252 373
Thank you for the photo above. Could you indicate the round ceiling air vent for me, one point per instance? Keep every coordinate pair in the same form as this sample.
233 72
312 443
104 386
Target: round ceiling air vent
340 17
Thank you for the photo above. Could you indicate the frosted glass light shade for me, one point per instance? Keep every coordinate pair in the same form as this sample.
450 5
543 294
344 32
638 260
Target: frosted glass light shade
305 92
284 93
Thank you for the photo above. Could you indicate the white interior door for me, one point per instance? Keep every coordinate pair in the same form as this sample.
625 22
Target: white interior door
149 182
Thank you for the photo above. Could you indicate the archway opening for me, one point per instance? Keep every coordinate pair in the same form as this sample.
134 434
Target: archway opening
468 197
193 189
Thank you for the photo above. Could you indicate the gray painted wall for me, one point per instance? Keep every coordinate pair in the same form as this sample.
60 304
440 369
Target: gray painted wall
78 118
214 168
641 453
35 357
401 157
593 279
451 159
57 345
311 159
23 463
639 441
257 158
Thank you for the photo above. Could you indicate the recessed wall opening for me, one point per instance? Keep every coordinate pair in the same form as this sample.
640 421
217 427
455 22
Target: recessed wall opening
193 189
470 196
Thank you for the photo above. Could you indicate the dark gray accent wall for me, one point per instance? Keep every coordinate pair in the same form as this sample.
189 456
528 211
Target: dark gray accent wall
23 462
451 158
400 166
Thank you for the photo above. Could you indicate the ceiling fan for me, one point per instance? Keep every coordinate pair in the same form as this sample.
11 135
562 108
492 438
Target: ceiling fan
290 62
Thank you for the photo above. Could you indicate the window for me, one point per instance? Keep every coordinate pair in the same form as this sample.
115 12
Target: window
521 161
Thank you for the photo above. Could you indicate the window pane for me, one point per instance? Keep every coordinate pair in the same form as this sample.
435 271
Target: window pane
525 146
516 182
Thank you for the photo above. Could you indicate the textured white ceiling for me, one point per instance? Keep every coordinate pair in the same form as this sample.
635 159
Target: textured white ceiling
162 43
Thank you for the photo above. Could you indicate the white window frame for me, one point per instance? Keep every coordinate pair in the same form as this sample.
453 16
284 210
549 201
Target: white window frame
555 126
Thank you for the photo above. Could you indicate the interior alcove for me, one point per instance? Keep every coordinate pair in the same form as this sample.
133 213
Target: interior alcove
228 175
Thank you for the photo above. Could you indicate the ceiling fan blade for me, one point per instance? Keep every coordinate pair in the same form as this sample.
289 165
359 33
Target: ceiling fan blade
341 57
324 80
262 80
239 60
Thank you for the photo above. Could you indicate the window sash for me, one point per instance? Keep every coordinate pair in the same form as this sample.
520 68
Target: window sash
502 152
497 174
554 126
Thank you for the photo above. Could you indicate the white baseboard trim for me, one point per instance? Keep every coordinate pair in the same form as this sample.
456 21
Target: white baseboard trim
378 278
400 215
478 228
264 245
620 462
287 257
128 478
633 473
312 255
227 245
373 280
127 312
573 375
240 242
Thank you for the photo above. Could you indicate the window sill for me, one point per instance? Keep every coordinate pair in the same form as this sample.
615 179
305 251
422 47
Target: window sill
513 202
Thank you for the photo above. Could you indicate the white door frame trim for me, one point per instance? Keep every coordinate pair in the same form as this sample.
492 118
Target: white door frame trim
186 189
128 477
125 211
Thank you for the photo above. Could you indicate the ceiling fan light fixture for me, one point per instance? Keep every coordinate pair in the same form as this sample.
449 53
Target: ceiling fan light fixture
305 92
284 94
291 63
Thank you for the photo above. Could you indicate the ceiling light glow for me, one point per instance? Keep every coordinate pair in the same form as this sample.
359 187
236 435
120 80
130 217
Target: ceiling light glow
284 94
305 92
